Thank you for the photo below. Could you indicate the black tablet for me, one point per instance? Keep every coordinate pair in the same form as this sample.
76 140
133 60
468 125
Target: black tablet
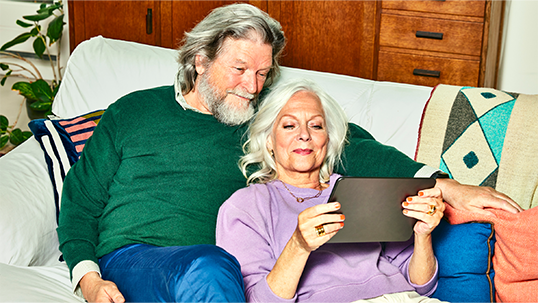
373 208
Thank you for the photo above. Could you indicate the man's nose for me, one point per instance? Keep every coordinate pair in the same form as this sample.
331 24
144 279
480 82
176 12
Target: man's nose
250 82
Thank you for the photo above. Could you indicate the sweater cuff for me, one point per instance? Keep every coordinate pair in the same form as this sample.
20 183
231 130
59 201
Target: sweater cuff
426 172
261 292
81 269
428 288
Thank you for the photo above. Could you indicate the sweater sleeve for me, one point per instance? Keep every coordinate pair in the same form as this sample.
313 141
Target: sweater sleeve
365 157
85 194
243 231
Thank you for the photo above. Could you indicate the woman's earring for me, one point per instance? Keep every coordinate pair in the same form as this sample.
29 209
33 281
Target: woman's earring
272 153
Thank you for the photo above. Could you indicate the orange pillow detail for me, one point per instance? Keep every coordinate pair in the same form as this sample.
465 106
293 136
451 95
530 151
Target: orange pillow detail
515 260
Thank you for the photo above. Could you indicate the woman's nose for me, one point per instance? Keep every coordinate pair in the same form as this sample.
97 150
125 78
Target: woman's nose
304 134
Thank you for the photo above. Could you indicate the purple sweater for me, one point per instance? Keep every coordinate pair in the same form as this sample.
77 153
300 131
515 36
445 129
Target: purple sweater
256 223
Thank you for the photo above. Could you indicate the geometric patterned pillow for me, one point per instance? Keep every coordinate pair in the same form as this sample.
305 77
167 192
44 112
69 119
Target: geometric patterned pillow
62 141
475 135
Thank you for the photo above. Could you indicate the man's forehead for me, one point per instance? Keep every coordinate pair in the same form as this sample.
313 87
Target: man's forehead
247 51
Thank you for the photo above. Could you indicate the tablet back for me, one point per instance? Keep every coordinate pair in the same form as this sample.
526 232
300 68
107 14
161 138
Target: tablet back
373 210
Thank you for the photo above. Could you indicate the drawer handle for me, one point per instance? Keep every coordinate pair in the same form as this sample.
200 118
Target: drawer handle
426 73
149 22
429 35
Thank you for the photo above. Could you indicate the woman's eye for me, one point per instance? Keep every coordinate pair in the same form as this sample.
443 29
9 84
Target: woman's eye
317 126
288 126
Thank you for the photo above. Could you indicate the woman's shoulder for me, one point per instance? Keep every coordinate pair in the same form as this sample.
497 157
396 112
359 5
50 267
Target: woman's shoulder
248 195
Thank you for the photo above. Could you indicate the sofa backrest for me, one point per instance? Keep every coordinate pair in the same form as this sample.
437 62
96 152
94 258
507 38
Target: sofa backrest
101 70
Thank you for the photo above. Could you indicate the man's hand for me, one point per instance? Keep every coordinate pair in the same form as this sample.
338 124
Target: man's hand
96 289
475 198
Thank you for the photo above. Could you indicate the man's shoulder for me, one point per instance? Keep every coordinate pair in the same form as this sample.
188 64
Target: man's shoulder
357 132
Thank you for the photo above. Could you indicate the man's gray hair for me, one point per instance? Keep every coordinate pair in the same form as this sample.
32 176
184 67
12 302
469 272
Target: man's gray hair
255 148
236 21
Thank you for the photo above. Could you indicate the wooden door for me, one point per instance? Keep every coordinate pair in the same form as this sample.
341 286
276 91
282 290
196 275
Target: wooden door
329 36
127 20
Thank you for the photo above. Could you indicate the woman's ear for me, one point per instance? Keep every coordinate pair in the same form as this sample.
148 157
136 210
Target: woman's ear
200 62
269 145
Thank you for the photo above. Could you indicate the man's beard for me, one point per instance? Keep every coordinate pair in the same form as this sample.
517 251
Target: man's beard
225 112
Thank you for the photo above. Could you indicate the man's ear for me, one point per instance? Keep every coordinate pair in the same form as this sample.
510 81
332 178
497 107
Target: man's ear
200 62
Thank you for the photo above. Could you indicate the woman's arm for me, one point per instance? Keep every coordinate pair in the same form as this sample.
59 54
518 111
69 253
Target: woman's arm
285 275
427 208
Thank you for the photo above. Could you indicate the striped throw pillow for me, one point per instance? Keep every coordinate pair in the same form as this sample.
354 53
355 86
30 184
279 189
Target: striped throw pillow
62 141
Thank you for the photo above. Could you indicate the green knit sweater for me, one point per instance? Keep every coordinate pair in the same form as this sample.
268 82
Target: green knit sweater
155 173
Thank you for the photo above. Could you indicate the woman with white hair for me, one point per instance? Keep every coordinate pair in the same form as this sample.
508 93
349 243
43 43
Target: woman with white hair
277 227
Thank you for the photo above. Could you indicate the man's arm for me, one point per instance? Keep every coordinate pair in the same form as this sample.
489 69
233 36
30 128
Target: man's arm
476 199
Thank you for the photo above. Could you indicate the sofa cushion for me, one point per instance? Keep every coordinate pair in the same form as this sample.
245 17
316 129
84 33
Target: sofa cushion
27 227
62 141
515 262
464 253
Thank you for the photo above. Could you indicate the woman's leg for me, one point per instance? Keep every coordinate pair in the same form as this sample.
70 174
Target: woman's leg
199 273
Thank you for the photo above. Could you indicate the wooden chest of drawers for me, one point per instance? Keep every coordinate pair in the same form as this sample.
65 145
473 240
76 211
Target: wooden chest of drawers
432 42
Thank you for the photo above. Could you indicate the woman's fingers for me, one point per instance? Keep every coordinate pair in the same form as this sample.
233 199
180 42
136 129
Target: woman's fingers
318 224
427 207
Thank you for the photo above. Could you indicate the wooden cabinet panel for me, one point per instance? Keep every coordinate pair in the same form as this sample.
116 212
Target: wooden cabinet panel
329 36
459 37
452 7
346 37
400 67
113 19
181 16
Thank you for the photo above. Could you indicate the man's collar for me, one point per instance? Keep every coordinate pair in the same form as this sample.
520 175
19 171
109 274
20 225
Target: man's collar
179 97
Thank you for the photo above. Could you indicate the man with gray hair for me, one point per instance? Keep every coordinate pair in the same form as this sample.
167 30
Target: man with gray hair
139 208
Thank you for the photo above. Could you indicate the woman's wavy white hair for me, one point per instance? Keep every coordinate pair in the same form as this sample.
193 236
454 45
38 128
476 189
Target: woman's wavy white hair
257 156
236 21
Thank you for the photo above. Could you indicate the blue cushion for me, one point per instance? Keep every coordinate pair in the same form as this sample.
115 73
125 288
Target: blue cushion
464 253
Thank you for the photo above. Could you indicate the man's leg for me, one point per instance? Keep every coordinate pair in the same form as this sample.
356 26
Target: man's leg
199 273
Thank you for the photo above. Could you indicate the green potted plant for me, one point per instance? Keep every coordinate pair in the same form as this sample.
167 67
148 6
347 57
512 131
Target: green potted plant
38 92
10 134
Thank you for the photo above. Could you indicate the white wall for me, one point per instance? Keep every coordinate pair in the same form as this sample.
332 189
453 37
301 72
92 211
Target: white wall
518 69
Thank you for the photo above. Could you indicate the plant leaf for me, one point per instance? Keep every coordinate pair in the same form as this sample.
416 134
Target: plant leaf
3 141
39 47
41 105
25 89
41 16
18 40
50 8
4 122
16 137
35 31
26 135
42 90
23 24
4 66
55 29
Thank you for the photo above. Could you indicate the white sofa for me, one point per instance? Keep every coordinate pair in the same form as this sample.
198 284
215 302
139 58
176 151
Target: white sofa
100 71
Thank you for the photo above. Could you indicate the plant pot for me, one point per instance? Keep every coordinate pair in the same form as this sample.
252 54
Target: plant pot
34 113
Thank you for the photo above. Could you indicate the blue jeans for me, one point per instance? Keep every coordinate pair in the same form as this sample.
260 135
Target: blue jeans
199 273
